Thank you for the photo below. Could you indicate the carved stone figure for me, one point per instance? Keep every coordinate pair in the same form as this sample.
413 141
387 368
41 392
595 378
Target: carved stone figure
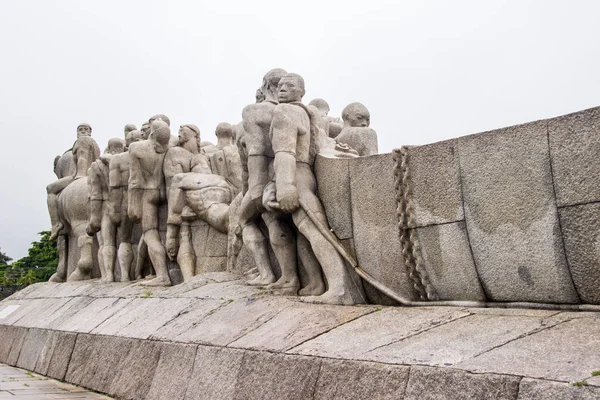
356 132
260 96
145 129
295 145
117 194
68 207
225 160
100 222
256 156
163 117
146 193
128 128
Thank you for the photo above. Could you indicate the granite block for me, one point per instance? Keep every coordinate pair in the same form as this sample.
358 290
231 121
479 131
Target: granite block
333 183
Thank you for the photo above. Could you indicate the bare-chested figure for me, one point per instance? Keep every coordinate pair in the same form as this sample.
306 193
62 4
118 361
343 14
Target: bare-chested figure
225 159
295 145
146 193
118 178
85 152
164 118
356 132
258 156
145 130
98 183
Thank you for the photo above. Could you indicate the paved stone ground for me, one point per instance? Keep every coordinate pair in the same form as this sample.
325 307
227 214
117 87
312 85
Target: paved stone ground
19 384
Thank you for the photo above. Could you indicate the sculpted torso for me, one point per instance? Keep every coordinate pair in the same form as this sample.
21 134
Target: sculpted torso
290 131
361 139
119 170
150 172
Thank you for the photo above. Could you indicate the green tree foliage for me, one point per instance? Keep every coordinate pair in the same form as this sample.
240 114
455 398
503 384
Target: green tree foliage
38 266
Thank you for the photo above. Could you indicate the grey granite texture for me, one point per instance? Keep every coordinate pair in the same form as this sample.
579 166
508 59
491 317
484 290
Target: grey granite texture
511 215
575 150
581 232
333 182
532 389
448 261
227 346
375 225
434 179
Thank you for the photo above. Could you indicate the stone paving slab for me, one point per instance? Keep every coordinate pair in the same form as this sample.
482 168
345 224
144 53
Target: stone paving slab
217 337
19 384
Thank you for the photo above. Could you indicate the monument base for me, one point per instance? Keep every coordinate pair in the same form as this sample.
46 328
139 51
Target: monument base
215 338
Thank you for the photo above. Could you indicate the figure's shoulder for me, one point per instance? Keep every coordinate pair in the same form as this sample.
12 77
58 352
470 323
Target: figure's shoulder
257 111
138 147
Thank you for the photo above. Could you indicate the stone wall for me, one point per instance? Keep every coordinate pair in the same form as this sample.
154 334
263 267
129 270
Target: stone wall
505 215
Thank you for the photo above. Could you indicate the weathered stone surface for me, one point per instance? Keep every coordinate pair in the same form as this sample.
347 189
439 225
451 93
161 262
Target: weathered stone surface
511 215
188 319
360 380
61 347
217 328
150 315
94 314
11 337
575 154
354 339
173 372
448 261
136 370
333 182
215 373
106 353
297 324
434 179
547 354
33 344
581 233
375 225
41 318
427 383
484 333
533 389
228 291
268 376
65 313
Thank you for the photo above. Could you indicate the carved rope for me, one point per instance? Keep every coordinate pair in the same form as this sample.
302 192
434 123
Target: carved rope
411 250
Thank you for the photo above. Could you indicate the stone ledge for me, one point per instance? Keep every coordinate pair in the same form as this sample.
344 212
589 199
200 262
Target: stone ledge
220 337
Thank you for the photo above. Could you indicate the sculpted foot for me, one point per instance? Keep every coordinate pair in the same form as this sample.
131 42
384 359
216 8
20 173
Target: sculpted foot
56 278
158 281
285 287
77 275
314 289
260 281
329 297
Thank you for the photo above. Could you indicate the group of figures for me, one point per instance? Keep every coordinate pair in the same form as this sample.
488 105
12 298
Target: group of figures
152 200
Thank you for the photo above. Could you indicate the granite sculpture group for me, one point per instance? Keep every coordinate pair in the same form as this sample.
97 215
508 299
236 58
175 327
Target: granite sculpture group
299 203
171 207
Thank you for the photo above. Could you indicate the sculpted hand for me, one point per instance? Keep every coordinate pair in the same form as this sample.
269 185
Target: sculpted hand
172 248
269 199
92 228
287 195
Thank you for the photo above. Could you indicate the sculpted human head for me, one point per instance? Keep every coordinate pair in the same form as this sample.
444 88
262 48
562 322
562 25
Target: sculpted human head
321 105
162 117
270 83
188 132
224 130
133 136
259 96
356 115
145 129
160 135
290 88
84 130
128 128
115 146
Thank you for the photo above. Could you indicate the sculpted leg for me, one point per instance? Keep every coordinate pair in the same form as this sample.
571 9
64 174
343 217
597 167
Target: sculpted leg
109 249
330 260
142 256
186 258
125 256
158 257
315 285
283 243
61 270
256 243
85 262
53 190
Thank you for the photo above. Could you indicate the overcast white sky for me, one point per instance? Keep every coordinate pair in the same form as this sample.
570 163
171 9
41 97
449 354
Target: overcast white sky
427 71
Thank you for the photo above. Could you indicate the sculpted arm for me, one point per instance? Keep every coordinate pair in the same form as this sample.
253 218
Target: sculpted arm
95 194
115 191
135 192
285 136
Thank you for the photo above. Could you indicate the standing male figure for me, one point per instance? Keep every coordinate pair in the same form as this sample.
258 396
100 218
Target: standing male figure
295 145
146 193
98 183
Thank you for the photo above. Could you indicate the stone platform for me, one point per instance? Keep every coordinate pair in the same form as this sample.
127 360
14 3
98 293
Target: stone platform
215 338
